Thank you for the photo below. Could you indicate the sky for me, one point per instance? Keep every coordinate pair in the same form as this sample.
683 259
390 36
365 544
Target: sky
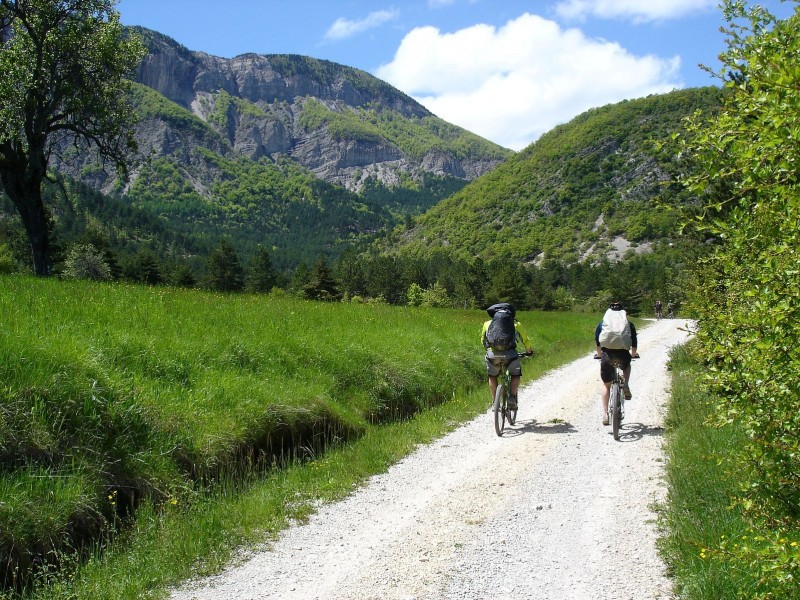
507 70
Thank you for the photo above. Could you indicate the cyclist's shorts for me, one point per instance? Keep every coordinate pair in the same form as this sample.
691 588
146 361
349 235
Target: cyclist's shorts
493 366
609 355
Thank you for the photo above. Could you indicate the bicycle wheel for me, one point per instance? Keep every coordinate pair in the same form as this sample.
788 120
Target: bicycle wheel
615 406
499 409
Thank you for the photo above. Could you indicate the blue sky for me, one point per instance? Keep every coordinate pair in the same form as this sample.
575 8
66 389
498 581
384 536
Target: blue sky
508 70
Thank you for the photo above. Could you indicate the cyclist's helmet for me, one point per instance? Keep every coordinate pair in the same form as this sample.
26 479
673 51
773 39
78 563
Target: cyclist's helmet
616 305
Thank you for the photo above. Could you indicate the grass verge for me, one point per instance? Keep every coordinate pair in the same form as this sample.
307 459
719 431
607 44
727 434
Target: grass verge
700 517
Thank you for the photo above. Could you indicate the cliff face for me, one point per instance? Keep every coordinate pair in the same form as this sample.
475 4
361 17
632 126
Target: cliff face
257 104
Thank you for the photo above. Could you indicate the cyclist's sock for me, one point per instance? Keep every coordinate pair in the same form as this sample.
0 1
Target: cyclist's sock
512 401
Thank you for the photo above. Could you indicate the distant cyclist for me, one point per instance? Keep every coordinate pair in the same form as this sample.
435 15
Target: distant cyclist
659 309
499 337
670 310
615 341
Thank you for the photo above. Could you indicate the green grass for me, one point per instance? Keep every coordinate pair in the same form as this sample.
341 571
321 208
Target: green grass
166 427
700 517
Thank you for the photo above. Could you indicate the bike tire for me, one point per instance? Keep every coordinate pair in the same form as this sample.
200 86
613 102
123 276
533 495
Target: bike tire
616 409
499 408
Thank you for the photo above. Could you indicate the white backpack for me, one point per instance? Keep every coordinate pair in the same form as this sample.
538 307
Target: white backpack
616 331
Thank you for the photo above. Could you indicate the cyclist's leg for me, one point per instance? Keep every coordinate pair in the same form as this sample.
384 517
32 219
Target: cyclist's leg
515 370
493 371
626 372
606 376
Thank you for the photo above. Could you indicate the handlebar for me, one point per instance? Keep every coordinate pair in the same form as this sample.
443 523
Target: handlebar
632 356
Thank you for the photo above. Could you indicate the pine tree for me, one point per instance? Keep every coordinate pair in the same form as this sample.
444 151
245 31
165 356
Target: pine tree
262 276
224 272
321 285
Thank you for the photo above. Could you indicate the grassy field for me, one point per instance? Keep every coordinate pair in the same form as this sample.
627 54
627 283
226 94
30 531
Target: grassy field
164 427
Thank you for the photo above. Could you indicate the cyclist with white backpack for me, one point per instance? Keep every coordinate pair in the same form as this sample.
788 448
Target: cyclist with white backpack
499 338
615 342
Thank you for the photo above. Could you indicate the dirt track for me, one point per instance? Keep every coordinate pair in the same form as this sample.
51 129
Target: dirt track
545 512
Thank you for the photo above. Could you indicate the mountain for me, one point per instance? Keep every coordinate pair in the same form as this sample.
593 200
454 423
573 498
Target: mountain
341 123
592 189
302 156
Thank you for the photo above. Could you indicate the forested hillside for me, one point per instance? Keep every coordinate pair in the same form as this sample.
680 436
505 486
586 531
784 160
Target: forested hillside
586 190
590 211
293 154
328 182
587 212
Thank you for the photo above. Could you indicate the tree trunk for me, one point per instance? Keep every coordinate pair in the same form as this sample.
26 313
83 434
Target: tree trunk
26 194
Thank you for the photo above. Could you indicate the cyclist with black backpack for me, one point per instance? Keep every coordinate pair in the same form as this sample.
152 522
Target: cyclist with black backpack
499 337
615 342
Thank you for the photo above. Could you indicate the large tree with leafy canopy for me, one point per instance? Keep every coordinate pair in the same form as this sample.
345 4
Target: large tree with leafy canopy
65 67
747 295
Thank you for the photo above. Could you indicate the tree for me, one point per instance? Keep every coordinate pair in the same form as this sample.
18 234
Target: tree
350 273
86 262
262 276
321 285
64 66
144 267
745 294
224 272
508 285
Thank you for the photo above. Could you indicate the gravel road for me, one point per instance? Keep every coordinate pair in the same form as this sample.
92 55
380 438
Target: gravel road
554 509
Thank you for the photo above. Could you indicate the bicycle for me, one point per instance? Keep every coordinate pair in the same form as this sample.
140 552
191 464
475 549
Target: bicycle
616 398
500 405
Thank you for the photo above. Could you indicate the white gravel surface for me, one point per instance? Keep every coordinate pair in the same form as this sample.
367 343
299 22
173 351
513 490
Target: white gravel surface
554 509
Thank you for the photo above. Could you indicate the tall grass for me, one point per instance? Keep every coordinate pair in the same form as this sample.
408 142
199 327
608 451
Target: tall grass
151 421
700 517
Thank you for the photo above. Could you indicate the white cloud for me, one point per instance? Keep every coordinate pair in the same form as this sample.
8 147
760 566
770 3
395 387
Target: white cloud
636 10
345 28
513 83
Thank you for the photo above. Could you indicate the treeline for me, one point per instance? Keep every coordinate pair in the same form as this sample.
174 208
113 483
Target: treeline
107 239
438 279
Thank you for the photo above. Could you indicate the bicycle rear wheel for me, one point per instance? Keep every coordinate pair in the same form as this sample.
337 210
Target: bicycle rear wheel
615 407
499 408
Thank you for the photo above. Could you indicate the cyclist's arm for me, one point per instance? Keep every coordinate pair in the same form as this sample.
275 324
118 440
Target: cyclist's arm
522 336
483 335
634 341
597 330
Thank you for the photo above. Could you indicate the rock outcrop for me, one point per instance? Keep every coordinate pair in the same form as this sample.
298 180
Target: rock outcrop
255 103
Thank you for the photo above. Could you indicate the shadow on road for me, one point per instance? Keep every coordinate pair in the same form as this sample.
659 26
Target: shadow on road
532 426
633 432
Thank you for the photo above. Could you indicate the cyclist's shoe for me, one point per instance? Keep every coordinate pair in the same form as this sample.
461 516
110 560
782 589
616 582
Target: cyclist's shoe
627 392
605 419
512 402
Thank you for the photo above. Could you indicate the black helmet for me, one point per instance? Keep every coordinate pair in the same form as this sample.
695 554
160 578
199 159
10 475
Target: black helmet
616 305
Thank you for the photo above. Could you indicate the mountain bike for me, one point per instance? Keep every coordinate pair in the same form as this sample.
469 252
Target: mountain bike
500 406
616 398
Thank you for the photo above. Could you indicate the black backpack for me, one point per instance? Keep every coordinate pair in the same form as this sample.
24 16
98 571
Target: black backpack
501 334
